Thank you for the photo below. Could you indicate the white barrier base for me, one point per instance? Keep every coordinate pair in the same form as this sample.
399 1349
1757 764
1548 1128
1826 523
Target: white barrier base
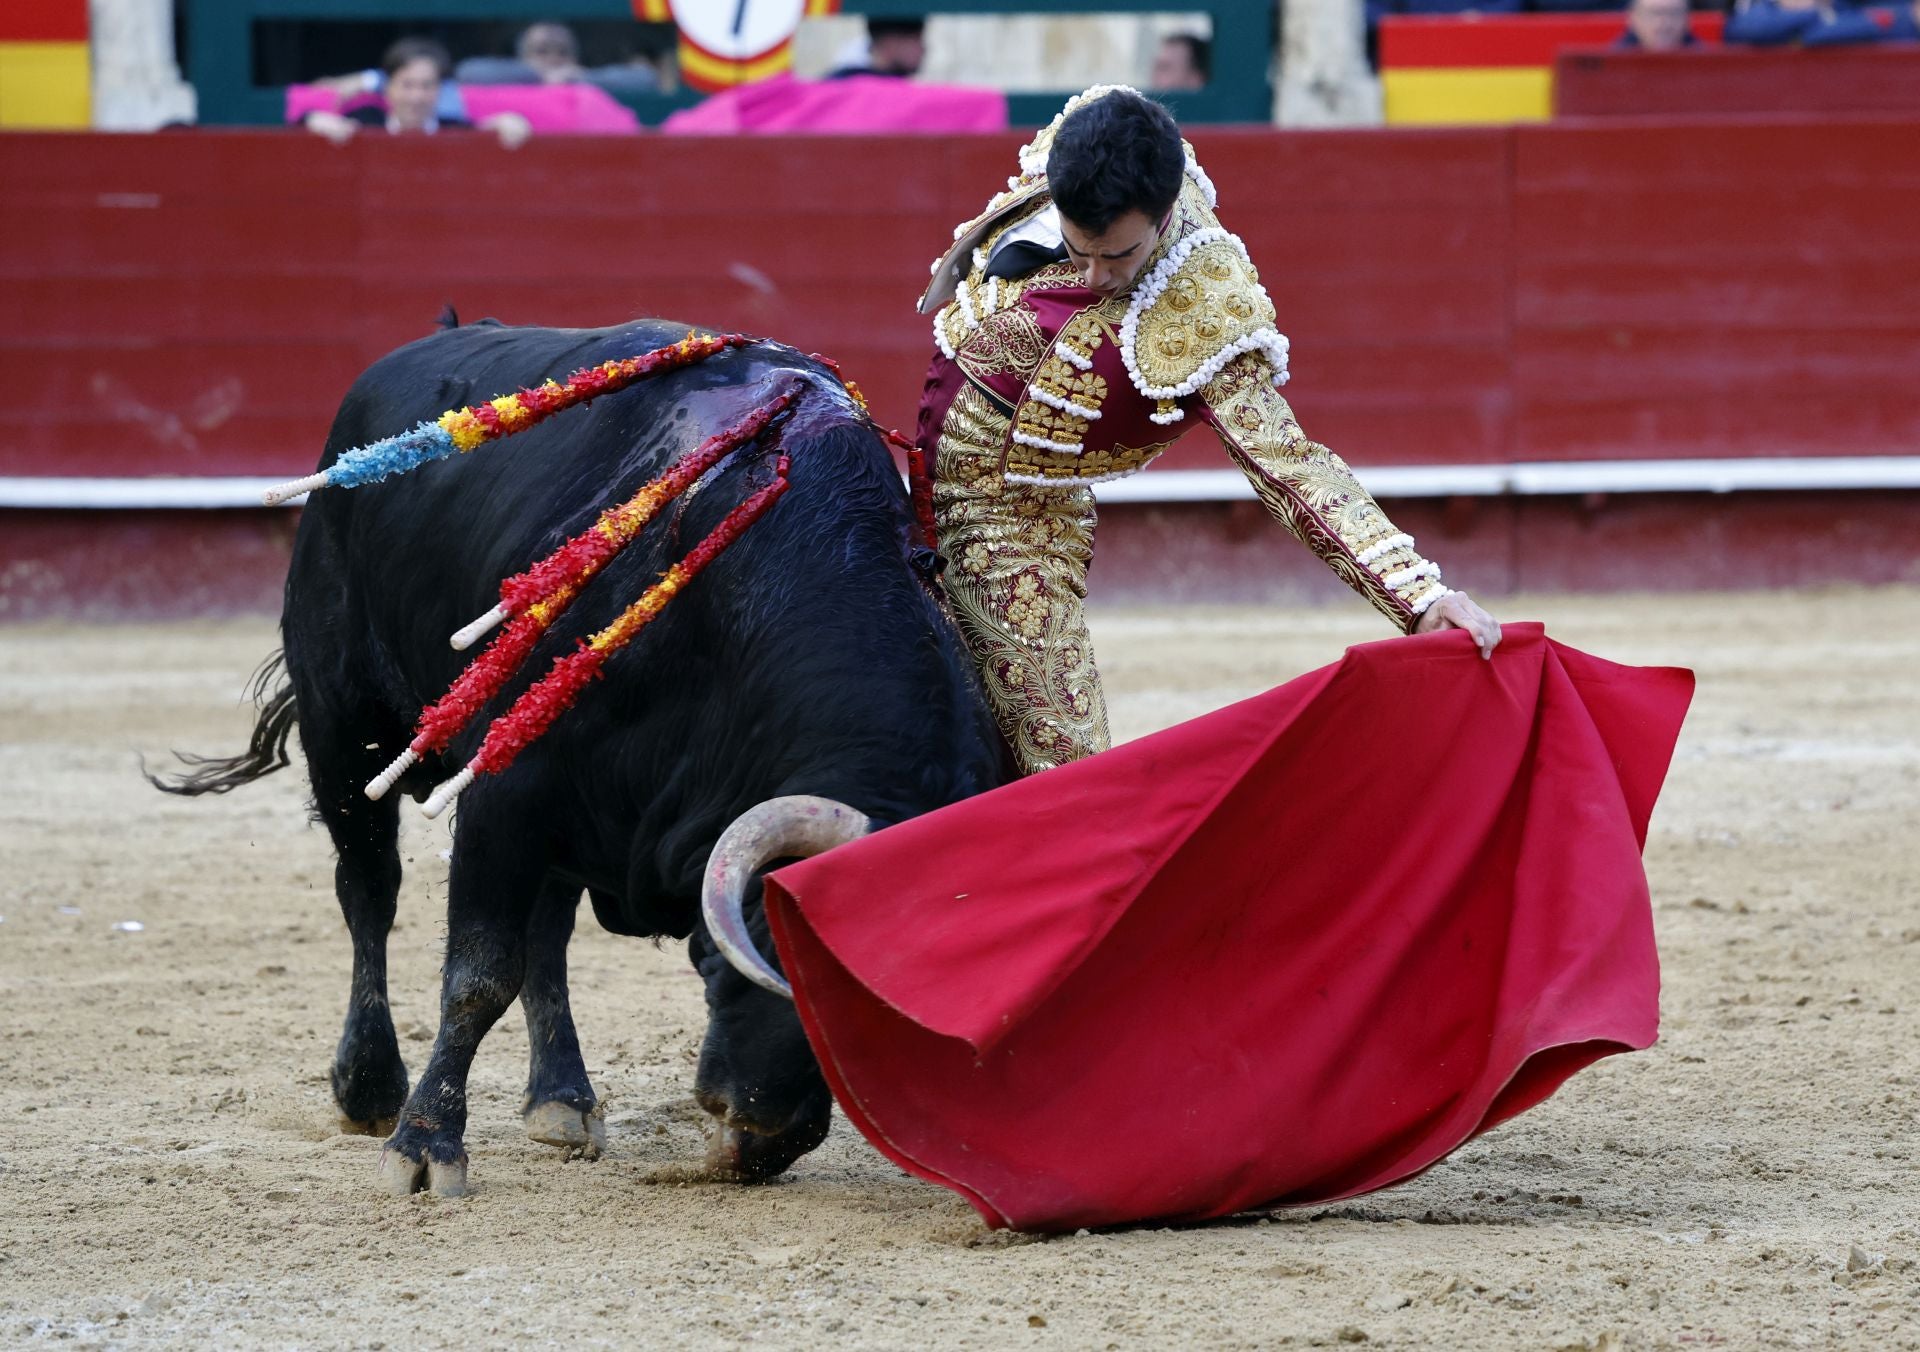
1543 478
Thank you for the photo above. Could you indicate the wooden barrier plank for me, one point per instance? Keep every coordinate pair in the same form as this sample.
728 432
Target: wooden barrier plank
1744 288
1861 78
1854 287
1460 296
281 166
53 310
144 240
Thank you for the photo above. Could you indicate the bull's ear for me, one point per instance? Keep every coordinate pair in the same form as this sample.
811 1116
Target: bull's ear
926 562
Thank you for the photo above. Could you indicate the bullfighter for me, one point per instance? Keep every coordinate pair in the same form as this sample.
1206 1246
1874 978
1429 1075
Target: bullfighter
1081 319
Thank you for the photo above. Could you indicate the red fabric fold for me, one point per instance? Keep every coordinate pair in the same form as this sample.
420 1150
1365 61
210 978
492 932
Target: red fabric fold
1290 951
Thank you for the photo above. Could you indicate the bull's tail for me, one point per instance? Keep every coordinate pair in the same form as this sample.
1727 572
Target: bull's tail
266 750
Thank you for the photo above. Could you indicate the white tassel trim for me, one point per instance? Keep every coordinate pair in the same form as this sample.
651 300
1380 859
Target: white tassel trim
1042 443
1420 607
1202 182
1069 480
1167 419
1384 548
1071 357
1268 340
1052 400
940 334
966 306
1411 573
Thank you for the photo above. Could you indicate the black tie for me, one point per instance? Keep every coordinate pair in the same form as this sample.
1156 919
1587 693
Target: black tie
1020 258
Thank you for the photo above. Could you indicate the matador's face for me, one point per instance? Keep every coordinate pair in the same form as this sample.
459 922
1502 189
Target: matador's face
1110 260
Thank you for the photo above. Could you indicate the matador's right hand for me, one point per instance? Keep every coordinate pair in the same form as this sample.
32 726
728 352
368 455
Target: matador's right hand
1457 610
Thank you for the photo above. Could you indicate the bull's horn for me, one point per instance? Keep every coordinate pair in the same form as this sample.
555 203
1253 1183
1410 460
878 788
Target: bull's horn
780 828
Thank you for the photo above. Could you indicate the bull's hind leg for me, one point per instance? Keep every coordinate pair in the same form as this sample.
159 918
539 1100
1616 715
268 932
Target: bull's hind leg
369 1078
560 1107
491 893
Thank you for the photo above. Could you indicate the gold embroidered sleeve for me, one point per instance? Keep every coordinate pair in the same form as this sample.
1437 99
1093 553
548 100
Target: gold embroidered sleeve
1315 496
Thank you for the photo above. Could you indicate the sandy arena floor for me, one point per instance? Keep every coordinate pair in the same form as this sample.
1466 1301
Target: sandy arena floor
169 1171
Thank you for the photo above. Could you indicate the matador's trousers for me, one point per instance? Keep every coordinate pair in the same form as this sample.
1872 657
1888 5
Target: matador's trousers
1016 581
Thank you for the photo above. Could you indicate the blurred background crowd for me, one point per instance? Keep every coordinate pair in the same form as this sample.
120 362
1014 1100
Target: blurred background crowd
607 66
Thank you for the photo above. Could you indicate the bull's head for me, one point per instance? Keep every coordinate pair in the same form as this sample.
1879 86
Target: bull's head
780 828
757 1076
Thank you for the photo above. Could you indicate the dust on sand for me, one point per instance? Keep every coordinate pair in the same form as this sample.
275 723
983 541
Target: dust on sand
169 1168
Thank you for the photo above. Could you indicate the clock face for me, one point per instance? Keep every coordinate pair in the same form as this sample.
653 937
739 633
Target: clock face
738 29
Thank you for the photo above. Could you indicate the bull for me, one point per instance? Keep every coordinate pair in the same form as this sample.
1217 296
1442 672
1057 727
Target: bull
811 661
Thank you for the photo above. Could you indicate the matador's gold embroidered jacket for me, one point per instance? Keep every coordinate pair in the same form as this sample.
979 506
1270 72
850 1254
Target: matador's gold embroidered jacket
1060 385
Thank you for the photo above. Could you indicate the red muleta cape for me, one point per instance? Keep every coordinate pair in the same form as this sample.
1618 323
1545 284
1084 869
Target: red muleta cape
1284 953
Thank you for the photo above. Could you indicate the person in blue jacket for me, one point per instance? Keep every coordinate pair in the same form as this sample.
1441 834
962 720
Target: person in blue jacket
1814 23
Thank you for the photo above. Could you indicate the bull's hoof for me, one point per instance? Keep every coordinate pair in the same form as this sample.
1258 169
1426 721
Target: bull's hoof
369 1095
357 1126
743 1156
402 1177
728 1156
562 1124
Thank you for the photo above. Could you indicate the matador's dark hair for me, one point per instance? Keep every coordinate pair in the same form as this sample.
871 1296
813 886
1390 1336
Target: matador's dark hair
1119 153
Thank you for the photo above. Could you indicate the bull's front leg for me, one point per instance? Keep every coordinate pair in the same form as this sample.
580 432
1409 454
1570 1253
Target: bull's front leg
560 1107
491 892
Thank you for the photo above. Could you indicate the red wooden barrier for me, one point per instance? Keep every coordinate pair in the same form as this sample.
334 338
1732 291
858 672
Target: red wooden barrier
1716 289
197 303
1706 82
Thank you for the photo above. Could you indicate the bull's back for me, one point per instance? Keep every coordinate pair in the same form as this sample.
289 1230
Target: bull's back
402 563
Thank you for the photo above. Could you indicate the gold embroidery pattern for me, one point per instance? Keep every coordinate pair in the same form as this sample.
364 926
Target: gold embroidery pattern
1027 462
1017 584
1313 493
1008 340
1212 302
1058 381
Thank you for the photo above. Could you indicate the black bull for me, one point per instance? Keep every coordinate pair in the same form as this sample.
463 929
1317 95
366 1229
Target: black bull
811 658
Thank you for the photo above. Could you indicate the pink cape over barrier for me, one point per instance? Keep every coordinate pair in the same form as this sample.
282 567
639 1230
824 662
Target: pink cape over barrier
857 104
1294 950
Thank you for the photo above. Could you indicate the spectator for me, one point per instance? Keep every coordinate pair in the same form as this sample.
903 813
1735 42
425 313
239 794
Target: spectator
1766 23
544 53
895 47
552 50
1657 26
415 71
549 53
1182 61
451 110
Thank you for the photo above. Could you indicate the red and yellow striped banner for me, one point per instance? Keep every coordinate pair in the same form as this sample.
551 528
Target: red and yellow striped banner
45 79
1488 67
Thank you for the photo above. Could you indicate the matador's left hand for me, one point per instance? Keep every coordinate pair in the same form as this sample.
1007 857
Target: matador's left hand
1457 610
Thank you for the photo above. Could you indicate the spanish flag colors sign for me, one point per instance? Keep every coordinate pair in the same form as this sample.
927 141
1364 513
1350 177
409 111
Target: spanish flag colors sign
44 80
